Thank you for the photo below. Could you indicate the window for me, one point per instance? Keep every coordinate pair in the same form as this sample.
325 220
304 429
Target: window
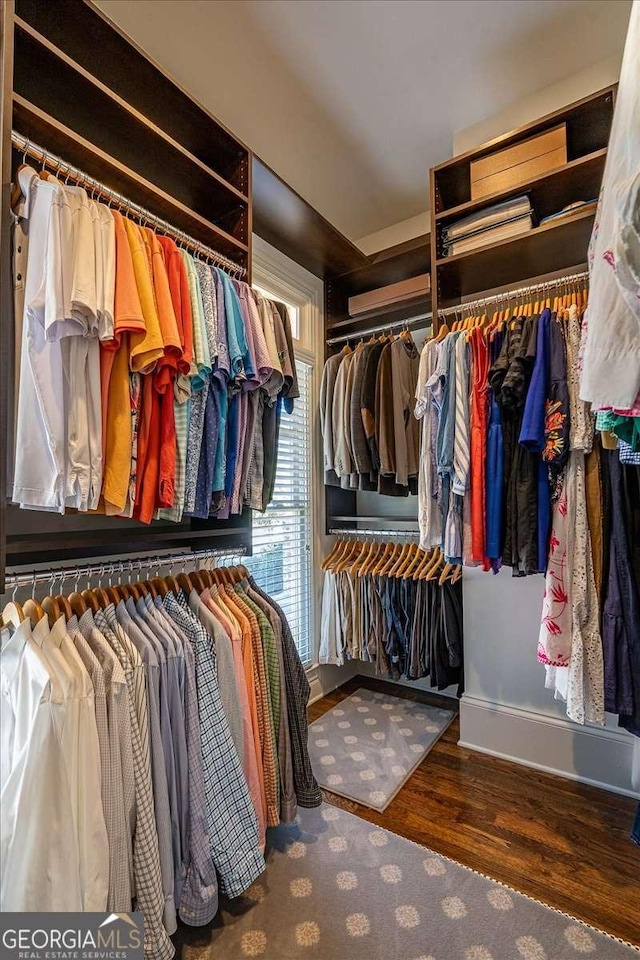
291 531
282 536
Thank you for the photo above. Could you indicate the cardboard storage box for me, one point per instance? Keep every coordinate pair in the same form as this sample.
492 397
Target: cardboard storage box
387 296
516 165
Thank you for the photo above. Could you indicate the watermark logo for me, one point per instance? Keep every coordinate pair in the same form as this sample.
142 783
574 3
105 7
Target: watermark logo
71 936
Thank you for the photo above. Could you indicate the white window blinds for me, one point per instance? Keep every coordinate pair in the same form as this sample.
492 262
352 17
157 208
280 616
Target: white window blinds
281 561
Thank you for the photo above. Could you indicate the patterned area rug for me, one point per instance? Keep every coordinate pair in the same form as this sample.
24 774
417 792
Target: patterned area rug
339 888
366 747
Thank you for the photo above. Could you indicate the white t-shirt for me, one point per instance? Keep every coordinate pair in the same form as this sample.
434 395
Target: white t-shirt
40 430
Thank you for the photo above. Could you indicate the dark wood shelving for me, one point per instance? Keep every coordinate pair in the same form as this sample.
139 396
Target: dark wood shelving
90 39
394 313
553 246
59 90
76 86
577 180
35 123
588 123
23 27
549 248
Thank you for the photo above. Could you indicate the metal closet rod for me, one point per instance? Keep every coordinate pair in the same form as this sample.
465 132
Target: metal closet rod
344 532
543 287
28 147
17 580
359 334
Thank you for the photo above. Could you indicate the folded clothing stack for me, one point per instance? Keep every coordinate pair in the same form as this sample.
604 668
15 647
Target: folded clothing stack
498 222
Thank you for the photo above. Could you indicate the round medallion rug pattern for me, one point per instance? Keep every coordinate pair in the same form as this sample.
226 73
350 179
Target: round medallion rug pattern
339 888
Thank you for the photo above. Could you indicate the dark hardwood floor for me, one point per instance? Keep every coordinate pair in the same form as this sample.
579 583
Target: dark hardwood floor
564 843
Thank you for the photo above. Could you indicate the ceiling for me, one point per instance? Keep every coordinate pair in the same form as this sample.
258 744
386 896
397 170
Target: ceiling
351 101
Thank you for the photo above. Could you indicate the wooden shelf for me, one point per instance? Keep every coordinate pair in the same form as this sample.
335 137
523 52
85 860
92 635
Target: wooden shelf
24 27
577 180
33 122
92 41
554 246
51 83
393 312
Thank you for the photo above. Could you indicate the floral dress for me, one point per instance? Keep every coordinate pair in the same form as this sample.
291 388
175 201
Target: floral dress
569 642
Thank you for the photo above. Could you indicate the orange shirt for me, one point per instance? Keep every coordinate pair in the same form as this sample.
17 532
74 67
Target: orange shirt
181 299
114 376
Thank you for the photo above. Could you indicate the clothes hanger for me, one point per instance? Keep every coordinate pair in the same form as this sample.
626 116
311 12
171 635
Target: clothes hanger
50 604
354 547
184 579
391 559
444 576
32 608
62 601
403 557
12 612
457 573
171 582
76 601
410 572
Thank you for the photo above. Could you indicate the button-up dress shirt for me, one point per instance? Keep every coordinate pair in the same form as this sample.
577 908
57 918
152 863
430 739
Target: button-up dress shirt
146 856
38 840
233 832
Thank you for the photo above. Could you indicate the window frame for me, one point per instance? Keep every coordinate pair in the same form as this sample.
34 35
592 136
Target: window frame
295 285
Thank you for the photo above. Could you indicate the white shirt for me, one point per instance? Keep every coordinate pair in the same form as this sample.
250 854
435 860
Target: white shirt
106 306
331 645
83 751
38 844
611 341
40 430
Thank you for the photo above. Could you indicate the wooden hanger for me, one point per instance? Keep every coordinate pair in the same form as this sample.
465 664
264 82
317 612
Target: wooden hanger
457 573
185 582
160 585
52 609
414 563
442 333
91 598
78 603
444 576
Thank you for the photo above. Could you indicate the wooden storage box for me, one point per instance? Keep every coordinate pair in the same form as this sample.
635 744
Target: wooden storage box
391 294
515 165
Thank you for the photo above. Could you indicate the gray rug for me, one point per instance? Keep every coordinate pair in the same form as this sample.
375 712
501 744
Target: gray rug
339 888
367 746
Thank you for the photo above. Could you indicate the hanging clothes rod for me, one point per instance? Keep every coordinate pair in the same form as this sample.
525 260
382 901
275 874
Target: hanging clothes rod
384 534
360 334
543 287
31 149
107 569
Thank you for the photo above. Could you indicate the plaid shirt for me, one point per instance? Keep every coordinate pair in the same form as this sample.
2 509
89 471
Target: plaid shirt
298 690
265 719
270 658
146 856
199 899
288 802
233 830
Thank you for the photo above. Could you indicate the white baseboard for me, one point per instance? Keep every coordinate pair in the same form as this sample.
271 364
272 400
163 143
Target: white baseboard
599 756
324 678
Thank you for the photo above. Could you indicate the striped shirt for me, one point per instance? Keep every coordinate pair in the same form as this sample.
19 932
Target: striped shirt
146 856
231 819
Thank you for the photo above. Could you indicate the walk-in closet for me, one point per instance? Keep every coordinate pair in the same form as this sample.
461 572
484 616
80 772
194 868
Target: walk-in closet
319 407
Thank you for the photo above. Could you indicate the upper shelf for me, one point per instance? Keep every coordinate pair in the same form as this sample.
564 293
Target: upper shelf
47 78
33 122
588 122
93 42
576 180
554 246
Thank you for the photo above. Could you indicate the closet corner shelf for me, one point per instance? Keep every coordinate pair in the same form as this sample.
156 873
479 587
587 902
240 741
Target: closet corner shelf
553 246
31 121
129 110
560 185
